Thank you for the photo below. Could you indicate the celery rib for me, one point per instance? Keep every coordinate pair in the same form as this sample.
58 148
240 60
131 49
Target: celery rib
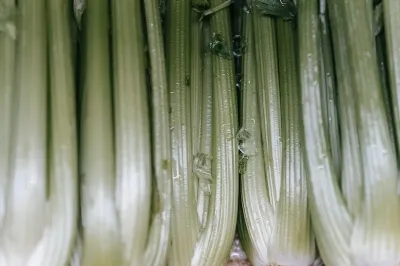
257 212
59 242
131 129
331 222
184 216
101 243
7 90
351 173
292 241
159 236
195 85
269 101
329 101
376 234
203 165
28 161
216 239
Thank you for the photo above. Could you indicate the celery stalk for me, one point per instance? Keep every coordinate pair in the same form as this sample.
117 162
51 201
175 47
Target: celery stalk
195 84
258 216
332 223
184 216
269 101
292 241
27 186
58 242
215 241
329 92
101 244
376 234
132 130
195 79
159 235
351 173
7 63
391 10
203 160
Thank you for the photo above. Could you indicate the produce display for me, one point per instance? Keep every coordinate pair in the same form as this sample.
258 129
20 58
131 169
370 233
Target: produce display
199 132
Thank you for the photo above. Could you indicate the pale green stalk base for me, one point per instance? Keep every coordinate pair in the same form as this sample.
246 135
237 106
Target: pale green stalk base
256 223
376 236
351 173
292 241
331 222
132 130
7 90
26 197
215 241
101 245
196 87
203 160
159 235
59 240
184 217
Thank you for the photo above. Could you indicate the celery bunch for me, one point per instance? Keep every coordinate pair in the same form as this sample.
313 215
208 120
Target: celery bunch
358 223
39 205
274 188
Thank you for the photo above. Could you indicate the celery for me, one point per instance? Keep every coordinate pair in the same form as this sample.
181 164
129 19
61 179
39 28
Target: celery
329 101
26 190
256 225
204 157
216 239
101 244
195 84
351 173
391 9
7 63
376 234
132 130
59 241
269 101
292 241
366 231
332 223
159 235
184 216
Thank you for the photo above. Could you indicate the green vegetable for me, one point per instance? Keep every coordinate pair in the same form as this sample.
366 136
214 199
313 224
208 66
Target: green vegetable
376 234
26 200
269 101
363 231
256 223
185 222
63 139
159 235
332 223
292 240
329 92
7 90
101 242
203 159
216 239
131 130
